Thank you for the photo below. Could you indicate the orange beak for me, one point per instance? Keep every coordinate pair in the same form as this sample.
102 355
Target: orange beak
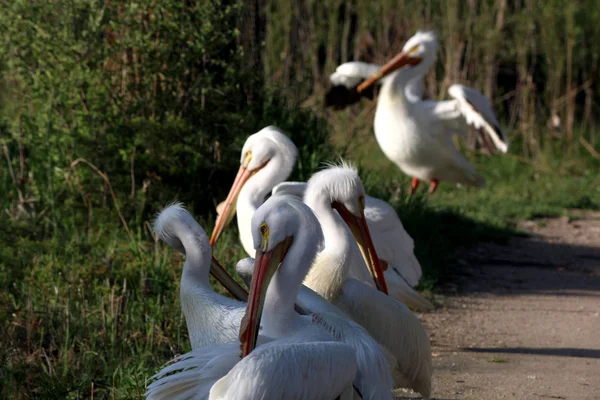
265 265
228 211
395 63
220 274
359 228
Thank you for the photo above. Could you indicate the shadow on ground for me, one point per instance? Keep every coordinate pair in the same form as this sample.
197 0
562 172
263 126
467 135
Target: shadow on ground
543 351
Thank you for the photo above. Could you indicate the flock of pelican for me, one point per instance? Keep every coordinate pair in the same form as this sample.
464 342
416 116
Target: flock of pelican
332 277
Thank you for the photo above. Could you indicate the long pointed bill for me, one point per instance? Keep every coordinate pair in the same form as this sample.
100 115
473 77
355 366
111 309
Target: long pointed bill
234 288
395 63
228 210
359 228
265 265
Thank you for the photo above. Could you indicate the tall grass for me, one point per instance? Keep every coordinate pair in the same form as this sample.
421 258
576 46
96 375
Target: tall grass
534 59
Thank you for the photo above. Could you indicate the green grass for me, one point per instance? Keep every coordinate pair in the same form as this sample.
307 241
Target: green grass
87 308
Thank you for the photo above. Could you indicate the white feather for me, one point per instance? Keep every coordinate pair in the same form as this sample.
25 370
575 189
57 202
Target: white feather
396 328
352 73
210 317
477 111
392 243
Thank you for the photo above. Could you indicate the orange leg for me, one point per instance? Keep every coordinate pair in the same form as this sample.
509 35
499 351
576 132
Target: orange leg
433 186
413 186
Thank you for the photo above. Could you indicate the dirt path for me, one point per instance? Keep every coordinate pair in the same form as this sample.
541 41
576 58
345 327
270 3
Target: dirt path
522 320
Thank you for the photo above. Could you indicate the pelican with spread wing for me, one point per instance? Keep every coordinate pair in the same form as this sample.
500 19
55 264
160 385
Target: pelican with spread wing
416 134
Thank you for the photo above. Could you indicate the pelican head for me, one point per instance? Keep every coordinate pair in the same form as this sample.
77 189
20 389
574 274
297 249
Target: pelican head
267 156
420 50
341 186
277 224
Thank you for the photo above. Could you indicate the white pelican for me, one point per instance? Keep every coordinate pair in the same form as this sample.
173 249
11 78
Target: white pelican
394 246
301 360
210 317
267 159
415 134
337 275
175 226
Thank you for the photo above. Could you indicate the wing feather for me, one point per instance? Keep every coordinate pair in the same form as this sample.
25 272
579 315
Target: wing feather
191 375
395 327
477 111
313 370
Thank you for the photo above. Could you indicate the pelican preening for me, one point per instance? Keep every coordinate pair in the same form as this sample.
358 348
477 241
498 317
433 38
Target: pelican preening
297 358
416 134
210 317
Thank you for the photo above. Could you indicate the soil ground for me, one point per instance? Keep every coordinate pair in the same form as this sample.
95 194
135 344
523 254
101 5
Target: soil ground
522 320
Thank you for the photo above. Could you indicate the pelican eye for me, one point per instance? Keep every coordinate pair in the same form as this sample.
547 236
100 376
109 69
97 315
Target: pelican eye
413 49
264 231
361 203
247 158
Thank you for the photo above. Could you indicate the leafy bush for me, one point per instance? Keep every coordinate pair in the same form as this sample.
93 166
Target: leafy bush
155 95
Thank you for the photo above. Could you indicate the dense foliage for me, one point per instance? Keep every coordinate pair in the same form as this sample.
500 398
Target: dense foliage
155 95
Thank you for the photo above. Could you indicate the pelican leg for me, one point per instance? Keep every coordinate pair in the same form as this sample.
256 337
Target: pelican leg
413 186
433 186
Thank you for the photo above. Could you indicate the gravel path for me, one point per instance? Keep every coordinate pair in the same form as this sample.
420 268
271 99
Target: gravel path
522 320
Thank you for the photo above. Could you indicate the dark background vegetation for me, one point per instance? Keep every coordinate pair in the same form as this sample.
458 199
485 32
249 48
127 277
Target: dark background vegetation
110 109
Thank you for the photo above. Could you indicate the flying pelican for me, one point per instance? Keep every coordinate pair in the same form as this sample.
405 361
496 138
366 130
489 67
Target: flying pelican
300 359
338 275
267 159
416 134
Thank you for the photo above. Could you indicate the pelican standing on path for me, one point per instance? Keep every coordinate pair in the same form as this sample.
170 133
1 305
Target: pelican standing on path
415 134
301 360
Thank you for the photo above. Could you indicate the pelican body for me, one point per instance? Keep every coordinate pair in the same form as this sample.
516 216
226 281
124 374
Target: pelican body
416 134
210 317
337 197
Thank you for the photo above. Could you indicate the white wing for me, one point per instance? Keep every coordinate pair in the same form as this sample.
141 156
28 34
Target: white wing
395 327
392 243
373 377
473 108
290 188
313 370
191 375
